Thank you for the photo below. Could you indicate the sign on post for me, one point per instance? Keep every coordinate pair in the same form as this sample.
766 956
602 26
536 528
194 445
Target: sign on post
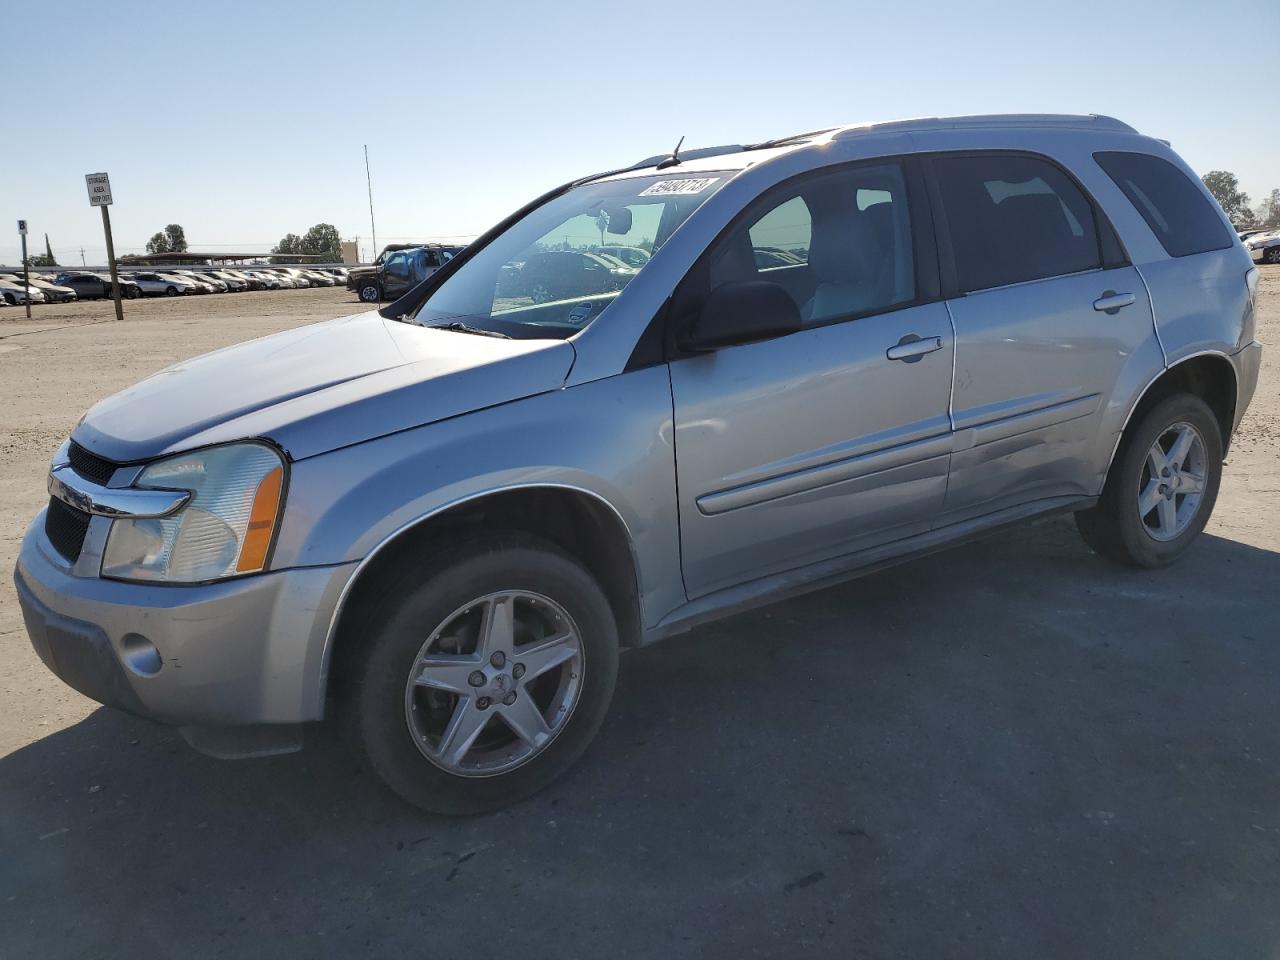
99 189
26 267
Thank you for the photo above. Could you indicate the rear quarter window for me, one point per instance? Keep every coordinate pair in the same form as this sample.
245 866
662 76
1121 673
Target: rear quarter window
1176 210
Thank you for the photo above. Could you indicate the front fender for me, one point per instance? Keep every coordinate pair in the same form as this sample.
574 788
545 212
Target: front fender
610 438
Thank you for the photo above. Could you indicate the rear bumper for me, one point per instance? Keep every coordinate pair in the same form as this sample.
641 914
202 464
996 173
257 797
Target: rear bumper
235 653
1247 363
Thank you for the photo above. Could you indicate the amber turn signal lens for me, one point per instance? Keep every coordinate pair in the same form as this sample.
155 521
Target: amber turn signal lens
262 523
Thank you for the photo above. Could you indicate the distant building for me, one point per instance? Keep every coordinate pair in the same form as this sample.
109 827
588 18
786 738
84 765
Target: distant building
350 252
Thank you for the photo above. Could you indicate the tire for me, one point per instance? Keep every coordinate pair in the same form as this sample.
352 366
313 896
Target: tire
1116 528
170 291
541 293
370 293
10 299
399 726
1272 255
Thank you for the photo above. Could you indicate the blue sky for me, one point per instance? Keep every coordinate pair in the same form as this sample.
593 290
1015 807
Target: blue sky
244 122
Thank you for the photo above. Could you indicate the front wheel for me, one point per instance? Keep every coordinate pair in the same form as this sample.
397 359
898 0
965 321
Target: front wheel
370 293
1161 488
484 674
1272 255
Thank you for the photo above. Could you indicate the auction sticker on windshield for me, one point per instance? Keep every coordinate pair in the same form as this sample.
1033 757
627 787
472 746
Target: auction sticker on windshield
673 188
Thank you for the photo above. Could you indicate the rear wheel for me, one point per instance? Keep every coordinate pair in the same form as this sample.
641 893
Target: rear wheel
1272 255
485 674
1162 486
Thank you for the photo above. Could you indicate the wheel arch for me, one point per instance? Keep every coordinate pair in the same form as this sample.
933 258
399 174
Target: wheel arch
582 523
1208 374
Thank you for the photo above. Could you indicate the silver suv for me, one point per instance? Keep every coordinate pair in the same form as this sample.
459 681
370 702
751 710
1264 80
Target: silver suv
439 522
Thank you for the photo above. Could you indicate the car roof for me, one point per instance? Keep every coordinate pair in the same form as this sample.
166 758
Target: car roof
736 157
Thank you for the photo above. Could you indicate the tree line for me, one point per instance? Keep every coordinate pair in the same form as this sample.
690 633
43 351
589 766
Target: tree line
1225 188
321 240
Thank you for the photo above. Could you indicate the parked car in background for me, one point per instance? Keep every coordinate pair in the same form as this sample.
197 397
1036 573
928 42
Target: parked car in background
269 280
560 274
53 293
436 525
199 284
299 278
635 257
16 293
397 269
247 282
162 285
1265 247
319 278
95 286
233 284
213 285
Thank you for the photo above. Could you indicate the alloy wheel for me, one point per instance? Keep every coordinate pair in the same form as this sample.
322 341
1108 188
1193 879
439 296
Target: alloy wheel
494 683
1173 481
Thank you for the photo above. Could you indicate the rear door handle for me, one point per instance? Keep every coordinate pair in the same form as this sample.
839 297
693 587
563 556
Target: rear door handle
1112 302
912 348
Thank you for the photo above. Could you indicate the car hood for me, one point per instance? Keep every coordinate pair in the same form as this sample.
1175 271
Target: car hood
321 387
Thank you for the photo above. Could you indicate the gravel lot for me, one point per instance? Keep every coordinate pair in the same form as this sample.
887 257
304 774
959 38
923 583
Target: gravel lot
1011 749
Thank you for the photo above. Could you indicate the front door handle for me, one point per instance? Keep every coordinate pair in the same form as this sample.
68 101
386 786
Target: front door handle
1112 302
912 348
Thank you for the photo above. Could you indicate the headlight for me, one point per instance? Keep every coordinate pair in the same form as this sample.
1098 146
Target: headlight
225 530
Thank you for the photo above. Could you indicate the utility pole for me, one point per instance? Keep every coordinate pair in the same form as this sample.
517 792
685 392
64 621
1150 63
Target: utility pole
82 263
369 181
100 196
26 267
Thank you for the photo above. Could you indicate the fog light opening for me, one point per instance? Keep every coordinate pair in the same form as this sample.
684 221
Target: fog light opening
141 655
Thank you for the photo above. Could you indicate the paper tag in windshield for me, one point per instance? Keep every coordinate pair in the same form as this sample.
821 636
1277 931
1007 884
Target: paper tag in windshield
675 188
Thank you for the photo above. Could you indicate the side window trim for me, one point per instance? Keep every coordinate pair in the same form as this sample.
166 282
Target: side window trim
1112 252
675 312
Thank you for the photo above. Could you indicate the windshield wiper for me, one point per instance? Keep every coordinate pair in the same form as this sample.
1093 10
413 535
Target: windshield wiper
457 326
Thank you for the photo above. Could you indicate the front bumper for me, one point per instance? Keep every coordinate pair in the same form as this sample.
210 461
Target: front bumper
240 652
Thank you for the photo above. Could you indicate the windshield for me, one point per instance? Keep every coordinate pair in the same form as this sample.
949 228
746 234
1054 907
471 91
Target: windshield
556 270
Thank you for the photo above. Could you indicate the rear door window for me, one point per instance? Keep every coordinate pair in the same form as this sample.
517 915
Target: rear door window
1014 218
1176 210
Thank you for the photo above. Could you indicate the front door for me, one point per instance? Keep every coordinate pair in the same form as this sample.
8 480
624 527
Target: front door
833 439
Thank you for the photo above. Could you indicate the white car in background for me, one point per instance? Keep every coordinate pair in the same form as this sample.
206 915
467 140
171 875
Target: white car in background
16 293
1265 247
52 292
162 284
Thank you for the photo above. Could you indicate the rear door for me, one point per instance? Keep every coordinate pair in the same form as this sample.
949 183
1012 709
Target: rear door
833 439
1047 311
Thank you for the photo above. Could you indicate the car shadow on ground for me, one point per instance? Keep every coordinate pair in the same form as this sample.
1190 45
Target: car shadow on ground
1011 749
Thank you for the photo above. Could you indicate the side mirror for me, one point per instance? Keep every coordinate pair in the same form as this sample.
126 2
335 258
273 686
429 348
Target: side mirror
742 312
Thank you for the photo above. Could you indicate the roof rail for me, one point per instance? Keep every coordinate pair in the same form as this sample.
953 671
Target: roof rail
691 155
1092 121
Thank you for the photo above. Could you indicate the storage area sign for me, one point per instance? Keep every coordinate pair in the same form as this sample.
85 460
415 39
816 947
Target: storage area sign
99 189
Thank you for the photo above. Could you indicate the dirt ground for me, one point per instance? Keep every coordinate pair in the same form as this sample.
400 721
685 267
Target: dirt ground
1011 749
